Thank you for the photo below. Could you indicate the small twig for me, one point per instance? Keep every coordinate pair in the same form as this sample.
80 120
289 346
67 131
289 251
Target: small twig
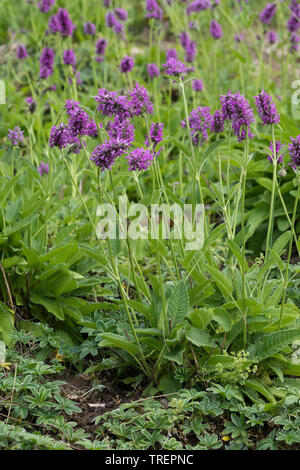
12 393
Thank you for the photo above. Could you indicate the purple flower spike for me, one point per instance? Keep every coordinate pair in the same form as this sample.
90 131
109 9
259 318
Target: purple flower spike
15 136
266 108
121 14
89 28
215 30
112 104
200 121
59 136
268 12
197 85
139 159
139 101
62 23
21 52
156 136
69 57
294 151
272 37
278 146
235 108
154 10
104 155
198 5
171 53
127 64
45 5
43 168
152 70
101 45
218 122
121 130
175 68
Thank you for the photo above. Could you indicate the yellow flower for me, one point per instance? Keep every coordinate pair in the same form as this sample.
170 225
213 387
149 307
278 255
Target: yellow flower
225 438
5 365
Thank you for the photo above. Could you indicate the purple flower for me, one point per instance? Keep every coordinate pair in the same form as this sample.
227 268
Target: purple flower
89 28
239 38
268 12
200 121
31 104
293 23
190 51
215 30
235 108
43 168
121 14
198 5
15 136
171 53
101 45
45 72
272 37
112 22
106 3
45 5
104 155
175 68
156 136
184 39
218 122
266 108
21 52
278 146
112 104
152 70
59 136
139 159
197 85
121 130
294 39
153 9
69 57
294 151
62 23
47 57
126 64
139 101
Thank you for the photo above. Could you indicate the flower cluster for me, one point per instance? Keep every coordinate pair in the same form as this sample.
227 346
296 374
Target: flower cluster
104 155
89 28
154 10
139 101
198 5
101 45
43 168
268 12
110 103
152 70
15 135
189 47
139 159
45 5
21 52
235 108
215 30
201 122
46 62
294 151
126 64
61 23
156 136
266 108
112 22
175 68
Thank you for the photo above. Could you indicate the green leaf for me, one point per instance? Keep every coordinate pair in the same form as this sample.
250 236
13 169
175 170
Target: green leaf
178 304
272 343
6 323
111 340
51 305
199 337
